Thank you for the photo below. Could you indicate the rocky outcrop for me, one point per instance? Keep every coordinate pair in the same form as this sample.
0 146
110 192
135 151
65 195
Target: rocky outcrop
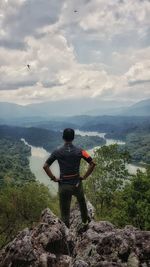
43 246
51 244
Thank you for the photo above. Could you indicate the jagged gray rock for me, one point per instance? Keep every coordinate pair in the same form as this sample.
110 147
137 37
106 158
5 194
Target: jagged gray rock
45 245
50 244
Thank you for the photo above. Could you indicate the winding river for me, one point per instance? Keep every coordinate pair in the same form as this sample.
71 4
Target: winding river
36 160
39 155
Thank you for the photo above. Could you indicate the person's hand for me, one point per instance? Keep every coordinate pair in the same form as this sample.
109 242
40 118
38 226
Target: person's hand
82 177
56 180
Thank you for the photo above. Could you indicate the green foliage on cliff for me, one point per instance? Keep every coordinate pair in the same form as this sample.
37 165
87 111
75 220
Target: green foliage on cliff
14 162
108 177
116 195
132 204
138 145
21 206
21 198
137 141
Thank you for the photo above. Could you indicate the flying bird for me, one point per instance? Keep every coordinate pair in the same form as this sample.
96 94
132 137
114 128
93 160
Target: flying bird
75 11
28 66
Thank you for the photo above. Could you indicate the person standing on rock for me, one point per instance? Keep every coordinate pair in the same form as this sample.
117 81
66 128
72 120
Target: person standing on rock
70 181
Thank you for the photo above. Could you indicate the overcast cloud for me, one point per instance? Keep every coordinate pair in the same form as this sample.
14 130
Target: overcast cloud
75 49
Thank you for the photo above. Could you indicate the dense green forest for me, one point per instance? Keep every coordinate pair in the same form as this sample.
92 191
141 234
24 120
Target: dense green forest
14 162
21 207
138 145
46 138
21 198
118 196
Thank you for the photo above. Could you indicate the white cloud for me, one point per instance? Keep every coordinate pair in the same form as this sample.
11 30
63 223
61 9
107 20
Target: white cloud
123 61
21 18
109 18
139 73
55 47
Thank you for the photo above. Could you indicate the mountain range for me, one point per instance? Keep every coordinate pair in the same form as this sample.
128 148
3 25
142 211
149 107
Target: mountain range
73 107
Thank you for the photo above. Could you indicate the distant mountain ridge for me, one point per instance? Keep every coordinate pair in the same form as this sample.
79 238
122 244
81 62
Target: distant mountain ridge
141 108
73 107
55 108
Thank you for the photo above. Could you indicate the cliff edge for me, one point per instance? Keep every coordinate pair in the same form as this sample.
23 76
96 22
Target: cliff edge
51 244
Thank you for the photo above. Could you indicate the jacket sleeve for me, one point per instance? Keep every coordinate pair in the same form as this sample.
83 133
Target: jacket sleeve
52 158
86 156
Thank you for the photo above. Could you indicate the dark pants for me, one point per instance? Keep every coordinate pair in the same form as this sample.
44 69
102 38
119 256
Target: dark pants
65 194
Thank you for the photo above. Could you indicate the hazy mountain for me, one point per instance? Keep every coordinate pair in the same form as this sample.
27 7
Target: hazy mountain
108 111
93 107
71 107
141 108
10 110
58 108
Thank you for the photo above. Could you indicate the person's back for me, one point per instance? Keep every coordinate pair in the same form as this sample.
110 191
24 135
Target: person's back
69 157
70 181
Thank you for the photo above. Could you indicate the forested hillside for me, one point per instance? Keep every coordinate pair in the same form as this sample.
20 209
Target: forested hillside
21 198
116 127
14 162
46 138
117 195
137 141
138 145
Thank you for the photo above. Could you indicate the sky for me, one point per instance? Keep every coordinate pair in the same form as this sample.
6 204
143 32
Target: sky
76 49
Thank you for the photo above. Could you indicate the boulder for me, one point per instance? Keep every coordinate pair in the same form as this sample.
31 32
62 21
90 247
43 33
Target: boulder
51 244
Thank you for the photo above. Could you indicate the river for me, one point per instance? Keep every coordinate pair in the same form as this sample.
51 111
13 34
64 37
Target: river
39 155
36 160
108 141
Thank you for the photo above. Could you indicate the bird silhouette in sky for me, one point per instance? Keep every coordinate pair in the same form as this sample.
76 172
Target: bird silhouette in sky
75 11
28 66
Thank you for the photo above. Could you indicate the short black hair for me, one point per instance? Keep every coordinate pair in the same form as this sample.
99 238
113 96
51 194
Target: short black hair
68 134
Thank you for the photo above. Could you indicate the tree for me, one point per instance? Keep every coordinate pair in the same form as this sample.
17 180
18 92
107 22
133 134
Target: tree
118 196
134 201
109 176
21 206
